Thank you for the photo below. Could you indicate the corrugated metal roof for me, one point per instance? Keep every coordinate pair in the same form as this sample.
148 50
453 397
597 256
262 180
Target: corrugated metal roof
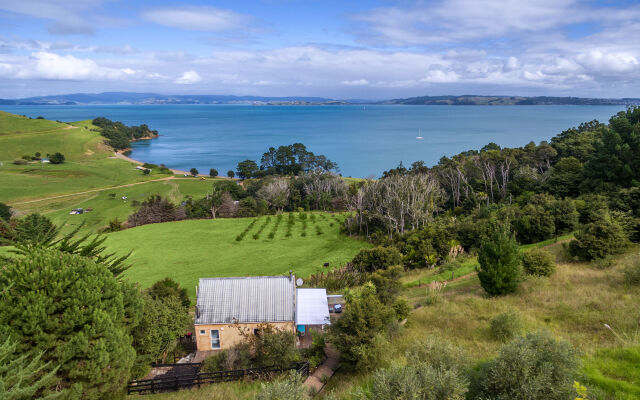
248 299
312 307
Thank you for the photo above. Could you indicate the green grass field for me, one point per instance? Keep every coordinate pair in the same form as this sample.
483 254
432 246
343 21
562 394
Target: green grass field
189 250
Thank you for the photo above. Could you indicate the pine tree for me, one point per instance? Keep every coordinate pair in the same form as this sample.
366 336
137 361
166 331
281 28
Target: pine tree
499 259
77 313
24 376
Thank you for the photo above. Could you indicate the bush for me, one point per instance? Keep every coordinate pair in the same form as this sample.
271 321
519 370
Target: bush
439 354
632 273
369 260
27 157
289 388
213 172
598 239
506 326
538 263
166 288
56 158
5 212
236 357
499 259
20 161
315 353
535 367
193 171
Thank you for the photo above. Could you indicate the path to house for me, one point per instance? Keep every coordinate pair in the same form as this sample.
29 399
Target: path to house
93 190
324 370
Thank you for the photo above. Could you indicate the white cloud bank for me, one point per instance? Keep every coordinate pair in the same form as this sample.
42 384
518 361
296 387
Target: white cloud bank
203 18
188 78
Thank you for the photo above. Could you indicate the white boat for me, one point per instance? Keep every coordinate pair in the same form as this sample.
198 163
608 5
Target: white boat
419 137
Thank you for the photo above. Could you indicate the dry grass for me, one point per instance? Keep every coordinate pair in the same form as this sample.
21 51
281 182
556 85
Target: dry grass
220 391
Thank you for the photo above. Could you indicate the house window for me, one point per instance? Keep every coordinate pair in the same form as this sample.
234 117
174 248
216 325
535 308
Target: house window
215 339
256 332
202 331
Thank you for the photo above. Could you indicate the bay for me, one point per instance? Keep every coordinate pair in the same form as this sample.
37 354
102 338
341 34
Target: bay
363 140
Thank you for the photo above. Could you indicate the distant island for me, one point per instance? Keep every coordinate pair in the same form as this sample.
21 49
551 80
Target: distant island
154 98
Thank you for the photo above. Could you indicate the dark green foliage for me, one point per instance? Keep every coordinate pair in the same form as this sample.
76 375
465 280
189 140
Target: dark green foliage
538 262
247 169
535 367
231 174
240 356
632 273
565 178
24 376
315 353
154 210
193 171
292 160
119 135
506 326
599 239
56 158
427 246
213 172
77 313
166 288
33 230
499 259
5 212
370 260
534 224
387 283
565 216
402 308
364 317
164 319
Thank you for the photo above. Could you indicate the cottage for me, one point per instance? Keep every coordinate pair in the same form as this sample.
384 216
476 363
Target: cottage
228 309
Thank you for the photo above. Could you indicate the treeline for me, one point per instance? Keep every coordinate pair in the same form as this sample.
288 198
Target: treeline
119 136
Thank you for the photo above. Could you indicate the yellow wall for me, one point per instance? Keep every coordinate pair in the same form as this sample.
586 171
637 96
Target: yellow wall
231 334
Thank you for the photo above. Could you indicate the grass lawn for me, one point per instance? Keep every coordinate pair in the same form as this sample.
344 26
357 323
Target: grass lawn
189 250
218 391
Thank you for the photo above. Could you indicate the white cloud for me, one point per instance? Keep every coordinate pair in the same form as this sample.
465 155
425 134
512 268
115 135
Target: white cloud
207 19
357 82
188 78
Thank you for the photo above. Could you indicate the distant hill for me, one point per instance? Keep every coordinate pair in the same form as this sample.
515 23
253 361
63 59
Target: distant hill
508 100
155 98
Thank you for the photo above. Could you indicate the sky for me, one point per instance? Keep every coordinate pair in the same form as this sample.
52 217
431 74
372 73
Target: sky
343 49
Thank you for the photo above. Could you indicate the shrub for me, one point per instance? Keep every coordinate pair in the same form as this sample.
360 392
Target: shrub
236 357
438 353
213 172
402 308
598 239
499 259
370 260
315 353
5 212
231 174
154 210
27 157
193 171
20 161
23 376
373 354
289 388
632 273
149 166
56 158
535 367
166 288
506 326
538 263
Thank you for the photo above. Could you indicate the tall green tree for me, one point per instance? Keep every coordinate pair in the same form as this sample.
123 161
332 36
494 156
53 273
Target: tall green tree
77 313
499 259
247 169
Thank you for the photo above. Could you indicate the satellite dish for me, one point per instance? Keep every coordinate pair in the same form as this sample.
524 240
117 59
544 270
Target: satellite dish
299 282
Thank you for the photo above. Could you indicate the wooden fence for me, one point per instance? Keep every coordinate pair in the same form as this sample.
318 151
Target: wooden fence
177 382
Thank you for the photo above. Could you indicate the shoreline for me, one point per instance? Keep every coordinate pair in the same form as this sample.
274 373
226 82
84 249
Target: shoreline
120 154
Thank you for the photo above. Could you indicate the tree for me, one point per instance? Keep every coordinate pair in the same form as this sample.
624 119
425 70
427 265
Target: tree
599 239
370 260
5 212
228 207
77 313
56 158
154 210
276 193
33 230
213 172
535 367
565 177
167 287
499 260
164 320
247 169
231 174
193 171
24 376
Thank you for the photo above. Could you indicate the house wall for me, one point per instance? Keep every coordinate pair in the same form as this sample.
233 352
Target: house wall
231 334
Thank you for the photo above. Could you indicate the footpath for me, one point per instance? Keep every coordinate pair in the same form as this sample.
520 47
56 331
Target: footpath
316 381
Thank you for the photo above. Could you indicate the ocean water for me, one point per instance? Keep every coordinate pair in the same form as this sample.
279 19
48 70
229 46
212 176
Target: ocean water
363 140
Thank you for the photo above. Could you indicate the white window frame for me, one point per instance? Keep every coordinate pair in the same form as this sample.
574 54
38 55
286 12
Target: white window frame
203 332
212 340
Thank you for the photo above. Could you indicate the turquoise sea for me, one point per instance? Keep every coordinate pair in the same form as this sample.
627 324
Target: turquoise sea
363 140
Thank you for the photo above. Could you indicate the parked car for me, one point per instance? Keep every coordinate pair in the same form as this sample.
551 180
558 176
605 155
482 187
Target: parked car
337 308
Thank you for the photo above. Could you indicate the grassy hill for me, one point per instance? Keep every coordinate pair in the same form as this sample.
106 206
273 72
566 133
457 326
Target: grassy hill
196 249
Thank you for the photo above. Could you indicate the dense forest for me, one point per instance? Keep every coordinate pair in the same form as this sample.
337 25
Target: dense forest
119 135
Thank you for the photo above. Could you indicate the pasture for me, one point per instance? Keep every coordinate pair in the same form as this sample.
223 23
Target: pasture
189 250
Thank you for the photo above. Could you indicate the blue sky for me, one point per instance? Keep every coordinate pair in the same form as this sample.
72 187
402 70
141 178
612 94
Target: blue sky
339 49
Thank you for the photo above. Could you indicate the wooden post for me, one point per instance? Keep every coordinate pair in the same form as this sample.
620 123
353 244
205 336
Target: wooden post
153 386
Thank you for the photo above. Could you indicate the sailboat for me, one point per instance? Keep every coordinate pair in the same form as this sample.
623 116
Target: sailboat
419 137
